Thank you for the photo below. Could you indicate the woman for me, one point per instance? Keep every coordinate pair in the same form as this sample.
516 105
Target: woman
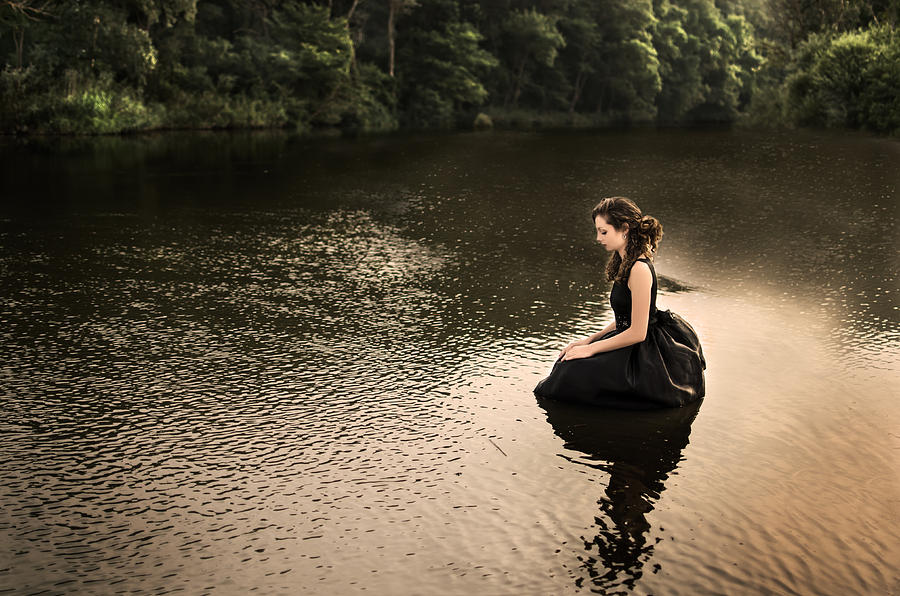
646 358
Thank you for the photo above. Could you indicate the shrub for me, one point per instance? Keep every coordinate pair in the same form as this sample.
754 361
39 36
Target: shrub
482 121
852 80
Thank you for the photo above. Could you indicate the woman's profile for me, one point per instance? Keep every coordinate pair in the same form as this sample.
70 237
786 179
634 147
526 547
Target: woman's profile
645 358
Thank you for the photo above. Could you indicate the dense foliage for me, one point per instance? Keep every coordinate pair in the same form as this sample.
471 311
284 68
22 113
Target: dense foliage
97 66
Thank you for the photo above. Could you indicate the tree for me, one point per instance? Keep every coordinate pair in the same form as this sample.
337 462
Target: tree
444 65
795 20
706 62
851 80
530 38
394 9
17 14
581 56
628 81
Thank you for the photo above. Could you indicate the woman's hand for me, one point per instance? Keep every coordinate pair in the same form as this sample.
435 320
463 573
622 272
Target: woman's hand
578 351
574 344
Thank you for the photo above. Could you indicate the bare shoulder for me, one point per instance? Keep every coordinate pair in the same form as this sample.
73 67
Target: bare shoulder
640 275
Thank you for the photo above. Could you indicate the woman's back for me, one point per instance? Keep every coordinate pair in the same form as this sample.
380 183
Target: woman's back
620 298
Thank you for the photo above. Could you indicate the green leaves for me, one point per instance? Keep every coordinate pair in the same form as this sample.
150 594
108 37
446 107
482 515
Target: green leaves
110 65
851 80
706 61
532 35
441 66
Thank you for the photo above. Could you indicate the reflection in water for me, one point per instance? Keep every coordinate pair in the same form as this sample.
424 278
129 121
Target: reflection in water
638 450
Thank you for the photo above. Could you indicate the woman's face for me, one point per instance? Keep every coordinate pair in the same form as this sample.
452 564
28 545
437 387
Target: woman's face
611 238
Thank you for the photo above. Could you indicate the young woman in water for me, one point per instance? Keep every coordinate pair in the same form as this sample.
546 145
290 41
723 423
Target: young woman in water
645 358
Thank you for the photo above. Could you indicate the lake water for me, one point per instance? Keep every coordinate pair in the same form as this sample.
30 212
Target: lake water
252 362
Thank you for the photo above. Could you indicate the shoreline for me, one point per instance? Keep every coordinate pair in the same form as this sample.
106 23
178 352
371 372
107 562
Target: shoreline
522 123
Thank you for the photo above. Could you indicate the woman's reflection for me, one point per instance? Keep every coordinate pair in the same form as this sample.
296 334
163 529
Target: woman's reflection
638 450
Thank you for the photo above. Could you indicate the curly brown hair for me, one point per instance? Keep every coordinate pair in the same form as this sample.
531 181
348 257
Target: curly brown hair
643 234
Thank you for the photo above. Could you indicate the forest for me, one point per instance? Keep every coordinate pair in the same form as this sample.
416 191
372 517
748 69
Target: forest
117 66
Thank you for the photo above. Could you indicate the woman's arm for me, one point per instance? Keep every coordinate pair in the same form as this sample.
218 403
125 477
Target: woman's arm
591 338
594 337
640 281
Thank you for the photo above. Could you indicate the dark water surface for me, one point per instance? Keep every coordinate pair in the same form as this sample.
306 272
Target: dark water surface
235 363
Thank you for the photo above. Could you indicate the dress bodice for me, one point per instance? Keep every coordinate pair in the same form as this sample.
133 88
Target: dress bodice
620 299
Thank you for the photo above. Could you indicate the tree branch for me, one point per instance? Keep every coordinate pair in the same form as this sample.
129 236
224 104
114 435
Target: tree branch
27 8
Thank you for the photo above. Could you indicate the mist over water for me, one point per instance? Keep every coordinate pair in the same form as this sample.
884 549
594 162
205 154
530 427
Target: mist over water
256 362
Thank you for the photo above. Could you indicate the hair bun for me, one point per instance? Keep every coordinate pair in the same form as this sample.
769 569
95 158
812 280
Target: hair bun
652 230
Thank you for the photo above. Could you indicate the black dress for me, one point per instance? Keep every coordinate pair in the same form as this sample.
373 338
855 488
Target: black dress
665 370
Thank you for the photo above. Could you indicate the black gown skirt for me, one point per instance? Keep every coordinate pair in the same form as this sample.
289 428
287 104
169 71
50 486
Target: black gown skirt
663 371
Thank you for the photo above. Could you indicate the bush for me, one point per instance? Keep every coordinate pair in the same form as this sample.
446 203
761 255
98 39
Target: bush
482 122
852 80
15 96
369 102
428 109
